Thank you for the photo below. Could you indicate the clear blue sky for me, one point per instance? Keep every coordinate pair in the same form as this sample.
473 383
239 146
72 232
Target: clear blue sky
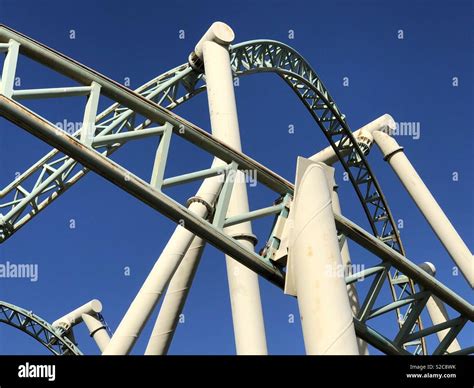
409 78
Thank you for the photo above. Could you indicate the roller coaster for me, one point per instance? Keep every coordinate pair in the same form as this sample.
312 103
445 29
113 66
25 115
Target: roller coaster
218 215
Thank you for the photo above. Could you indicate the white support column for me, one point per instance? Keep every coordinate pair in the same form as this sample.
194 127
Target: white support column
178 288
75 316
313 262
159 277
437 311
97 330
382 123
421 195
347 263
244 290
175 298
86 313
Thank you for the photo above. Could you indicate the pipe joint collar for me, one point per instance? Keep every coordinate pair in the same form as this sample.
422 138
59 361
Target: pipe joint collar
210 209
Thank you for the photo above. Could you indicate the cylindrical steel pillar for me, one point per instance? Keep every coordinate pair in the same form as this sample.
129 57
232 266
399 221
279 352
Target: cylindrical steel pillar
437 311
347 263
457 249
159 277
75 316
314 259
175 298
382 123
244 290
97 330
86 313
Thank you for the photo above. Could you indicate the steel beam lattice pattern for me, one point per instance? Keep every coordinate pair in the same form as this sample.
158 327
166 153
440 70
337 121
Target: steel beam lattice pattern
36 327
272 56
140 114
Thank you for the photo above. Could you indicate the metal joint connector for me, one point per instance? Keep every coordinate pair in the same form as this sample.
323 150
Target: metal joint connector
210 209
91 333
246 236
196 63
388 156
62 326
364 141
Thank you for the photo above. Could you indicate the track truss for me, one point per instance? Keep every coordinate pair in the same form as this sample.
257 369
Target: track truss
37 328
139 114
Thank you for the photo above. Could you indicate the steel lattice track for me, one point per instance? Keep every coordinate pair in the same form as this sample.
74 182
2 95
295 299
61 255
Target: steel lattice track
272 56
181 84
37 328
55 172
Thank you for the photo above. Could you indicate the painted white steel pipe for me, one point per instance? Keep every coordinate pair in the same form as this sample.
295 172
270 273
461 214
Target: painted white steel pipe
314 257
421 195
219 33
75 316
86 313
175 298
247 314
244 289
97 331
347 263
159 277
180 284
437 311
382 123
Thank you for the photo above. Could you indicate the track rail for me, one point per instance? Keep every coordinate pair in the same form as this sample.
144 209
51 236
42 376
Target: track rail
154 198
272 56
55 173
37 328
178 86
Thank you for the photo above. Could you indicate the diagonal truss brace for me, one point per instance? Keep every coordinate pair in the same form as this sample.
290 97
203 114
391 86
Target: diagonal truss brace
154 198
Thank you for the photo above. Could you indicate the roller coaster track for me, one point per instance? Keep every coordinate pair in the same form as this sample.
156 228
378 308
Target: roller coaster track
36 327
53 174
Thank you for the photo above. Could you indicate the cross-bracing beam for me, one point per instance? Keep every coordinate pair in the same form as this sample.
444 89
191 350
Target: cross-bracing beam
157 200
438 313
121 177
246 58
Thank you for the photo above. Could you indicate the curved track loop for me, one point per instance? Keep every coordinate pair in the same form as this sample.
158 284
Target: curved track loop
37 328
181 84
271 56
